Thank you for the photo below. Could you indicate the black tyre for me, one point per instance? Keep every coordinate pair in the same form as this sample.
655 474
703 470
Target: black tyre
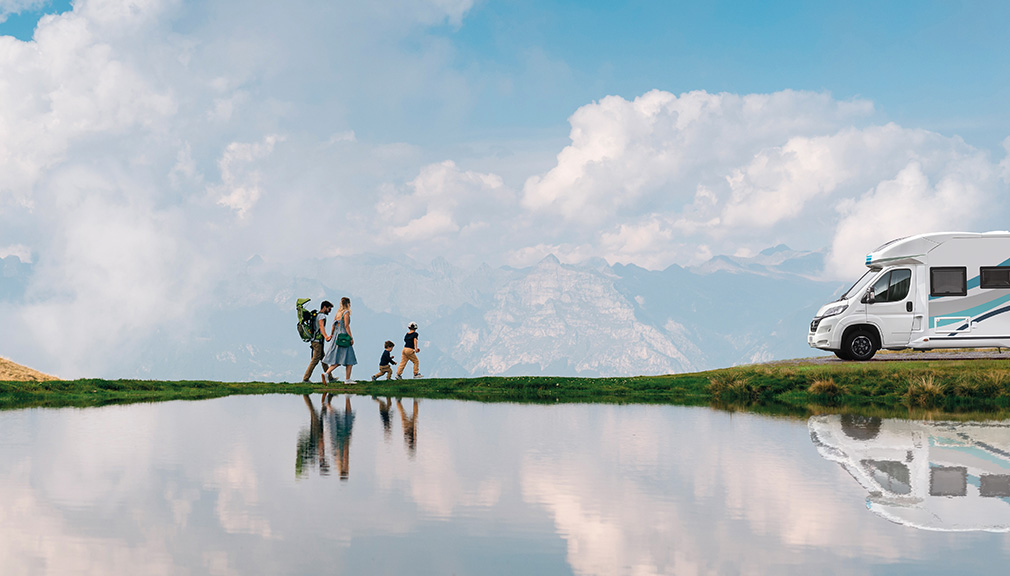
841 355
859 345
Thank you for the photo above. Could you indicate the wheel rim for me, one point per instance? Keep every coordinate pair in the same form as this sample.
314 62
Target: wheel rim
861 346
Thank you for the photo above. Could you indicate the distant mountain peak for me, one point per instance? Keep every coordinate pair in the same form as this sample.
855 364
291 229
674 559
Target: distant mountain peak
775 250
549 261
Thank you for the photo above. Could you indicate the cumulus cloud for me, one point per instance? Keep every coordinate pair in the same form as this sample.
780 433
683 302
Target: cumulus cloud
240 188
665 179
8 7
146 147
626 155
446 205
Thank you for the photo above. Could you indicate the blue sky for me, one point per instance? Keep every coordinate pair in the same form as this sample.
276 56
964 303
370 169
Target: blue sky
149 147
939 65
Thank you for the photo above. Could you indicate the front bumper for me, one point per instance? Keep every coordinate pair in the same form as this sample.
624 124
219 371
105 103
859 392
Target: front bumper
821 333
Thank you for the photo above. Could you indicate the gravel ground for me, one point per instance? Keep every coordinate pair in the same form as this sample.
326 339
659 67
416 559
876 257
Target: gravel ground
903 355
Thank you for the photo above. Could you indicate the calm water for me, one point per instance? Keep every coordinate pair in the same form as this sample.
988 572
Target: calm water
276 485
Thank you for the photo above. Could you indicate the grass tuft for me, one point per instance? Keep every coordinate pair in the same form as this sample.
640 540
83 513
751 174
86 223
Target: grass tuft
925 391
824 387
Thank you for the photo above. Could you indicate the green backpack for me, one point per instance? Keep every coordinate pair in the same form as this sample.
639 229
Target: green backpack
306 320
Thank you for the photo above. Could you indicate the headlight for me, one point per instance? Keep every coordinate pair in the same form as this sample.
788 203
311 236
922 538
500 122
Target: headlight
834 310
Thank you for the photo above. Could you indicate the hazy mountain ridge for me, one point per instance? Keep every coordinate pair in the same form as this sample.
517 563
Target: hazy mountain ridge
589 319
567 319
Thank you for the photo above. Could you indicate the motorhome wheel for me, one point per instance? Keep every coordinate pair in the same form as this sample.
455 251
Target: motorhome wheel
859 345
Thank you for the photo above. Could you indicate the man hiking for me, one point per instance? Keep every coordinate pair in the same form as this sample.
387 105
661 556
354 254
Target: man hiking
318 337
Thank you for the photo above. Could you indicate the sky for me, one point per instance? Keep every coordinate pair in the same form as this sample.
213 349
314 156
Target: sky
147 147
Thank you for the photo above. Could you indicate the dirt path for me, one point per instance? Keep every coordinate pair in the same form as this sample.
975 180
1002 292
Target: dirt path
904 355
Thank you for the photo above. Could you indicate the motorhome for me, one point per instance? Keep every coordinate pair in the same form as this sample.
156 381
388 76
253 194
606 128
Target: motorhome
941 290
932 475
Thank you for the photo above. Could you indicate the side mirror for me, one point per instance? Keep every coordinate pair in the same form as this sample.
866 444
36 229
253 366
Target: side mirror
868 297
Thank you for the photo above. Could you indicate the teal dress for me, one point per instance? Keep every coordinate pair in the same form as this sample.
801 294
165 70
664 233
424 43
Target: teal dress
339 355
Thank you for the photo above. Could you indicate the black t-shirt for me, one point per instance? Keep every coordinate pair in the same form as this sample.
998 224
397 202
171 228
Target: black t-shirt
410 340
386 358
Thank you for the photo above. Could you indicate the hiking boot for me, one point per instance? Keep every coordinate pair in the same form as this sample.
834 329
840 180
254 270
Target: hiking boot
373 378
418 376
399 377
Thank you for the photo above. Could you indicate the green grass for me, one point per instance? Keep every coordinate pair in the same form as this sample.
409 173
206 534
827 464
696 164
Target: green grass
951 388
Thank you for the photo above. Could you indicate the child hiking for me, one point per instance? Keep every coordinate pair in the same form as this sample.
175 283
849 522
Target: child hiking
385 361
410 351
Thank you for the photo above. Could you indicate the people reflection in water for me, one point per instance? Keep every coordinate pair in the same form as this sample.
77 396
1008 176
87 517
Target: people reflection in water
409 427
337 425
311 448
387 423
329 432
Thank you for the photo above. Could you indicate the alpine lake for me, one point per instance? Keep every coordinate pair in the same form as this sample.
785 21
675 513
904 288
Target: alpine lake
345 484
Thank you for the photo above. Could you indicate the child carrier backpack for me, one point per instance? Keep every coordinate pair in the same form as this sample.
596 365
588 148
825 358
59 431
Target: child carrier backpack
306 320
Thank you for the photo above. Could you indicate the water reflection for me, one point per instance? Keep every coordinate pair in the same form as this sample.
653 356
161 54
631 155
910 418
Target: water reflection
594 490
329 433
384 417
944 476
337 426
409 427
310 452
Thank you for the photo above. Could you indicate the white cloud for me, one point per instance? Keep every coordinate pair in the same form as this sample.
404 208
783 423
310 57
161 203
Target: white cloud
446 205
629 154
240 186
908 204
9 7
666 179
19 251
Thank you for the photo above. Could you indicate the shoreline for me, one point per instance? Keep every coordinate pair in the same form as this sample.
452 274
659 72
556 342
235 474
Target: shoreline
933 388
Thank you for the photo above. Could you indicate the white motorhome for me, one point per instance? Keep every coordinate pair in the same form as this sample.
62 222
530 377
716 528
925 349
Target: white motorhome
945 476
942 290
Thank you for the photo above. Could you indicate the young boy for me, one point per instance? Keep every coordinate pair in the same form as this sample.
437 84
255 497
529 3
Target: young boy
410 351
385 361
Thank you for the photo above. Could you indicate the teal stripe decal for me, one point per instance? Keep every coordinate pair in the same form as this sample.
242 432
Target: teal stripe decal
970 313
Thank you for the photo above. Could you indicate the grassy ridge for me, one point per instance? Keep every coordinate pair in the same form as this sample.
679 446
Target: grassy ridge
950 387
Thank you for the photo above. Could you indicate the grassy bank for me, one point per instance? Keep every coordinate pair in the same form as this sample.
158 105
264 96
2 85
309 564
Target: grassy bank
909 388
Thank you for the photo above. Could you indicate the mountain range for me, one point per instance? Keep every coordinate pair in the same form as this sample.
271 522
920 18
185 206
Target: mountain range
587 319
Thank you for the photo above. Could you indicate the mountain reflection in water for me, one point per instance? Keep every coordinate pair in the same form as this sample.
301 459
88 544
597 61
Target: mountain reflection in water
944 476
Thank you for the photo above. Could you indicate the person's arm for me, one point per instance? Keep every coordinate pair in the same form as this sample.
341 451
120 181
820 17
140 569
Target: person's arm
322 326
347 325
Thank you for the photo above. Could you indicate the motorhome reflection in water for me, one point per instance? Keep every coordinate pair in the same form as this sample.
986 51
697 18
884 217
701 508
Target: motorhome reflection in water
943 290
947 476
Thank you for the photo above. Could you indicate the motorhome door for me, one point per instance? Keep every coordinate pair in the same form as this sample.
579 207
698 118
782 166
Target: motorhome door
893 306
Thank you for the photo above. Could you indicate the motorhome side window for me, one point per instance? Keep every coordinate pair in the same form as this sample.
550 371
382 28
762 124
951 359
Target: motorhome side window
893 286
948 281
994 277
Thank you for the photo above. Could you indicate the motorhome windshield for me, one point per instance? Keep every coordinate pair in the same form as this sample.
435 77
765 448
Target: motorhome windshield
858 286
